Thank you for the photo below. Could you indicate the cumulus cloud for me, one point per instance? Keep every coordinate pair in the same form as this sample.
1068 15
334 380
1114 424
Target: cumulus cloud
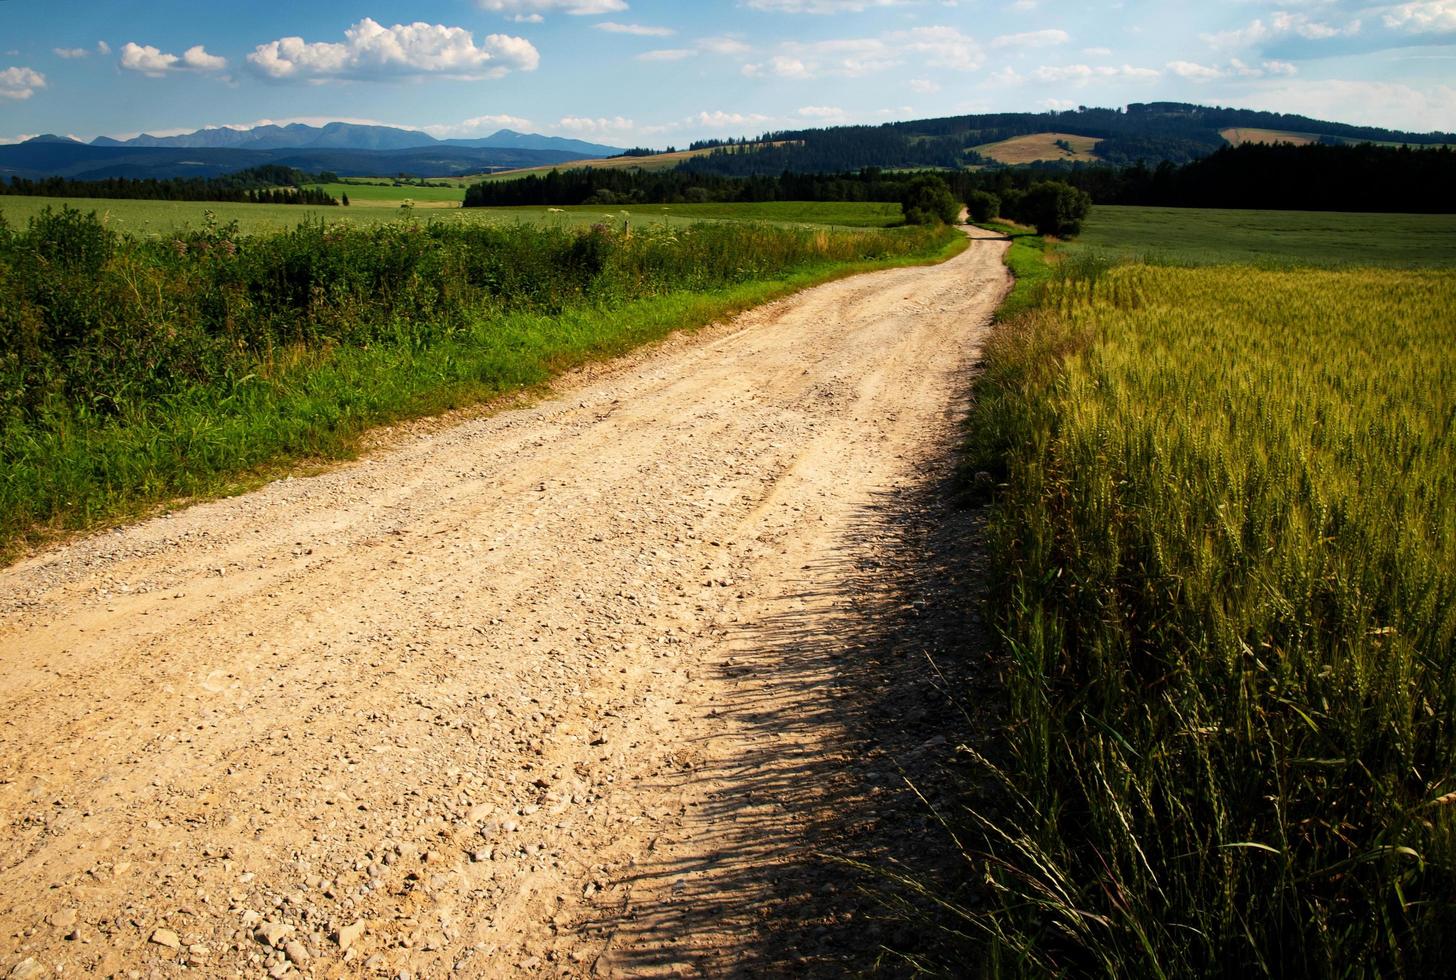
822 6
531 11
706 45
370 50
72 53
1433 17
636 30
1032 39
1082 74
477 126
155 63
1366 102
1283 25
933 47
19 84
600 127
1194 72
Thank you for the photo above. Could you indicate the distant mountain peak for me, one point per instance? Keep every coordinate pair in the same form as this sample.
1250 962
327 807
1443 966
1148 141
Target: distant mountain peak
53 138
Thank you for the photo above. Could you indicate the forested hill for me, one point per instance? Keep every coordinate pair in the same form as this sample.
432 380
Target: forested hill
1149 133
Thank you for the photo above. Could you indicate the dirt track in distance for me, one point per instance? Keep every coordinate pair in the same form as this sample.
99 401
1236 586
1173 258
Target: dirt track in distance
577 689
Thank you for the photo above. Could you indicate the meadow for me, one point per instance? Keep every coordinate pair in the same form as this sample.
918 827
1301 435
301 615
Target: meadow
1225 507
170 217
139 369
1196 236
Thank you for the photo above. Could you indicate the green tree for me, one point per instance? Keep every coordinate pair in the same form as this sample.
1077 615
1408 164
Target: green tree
984 206
929 201
1055 208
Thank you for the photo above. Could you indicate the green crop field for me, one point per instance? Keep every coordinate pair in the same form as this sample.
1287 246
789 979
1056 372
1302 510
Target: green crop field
373 193
1196 236
1224 502
168 217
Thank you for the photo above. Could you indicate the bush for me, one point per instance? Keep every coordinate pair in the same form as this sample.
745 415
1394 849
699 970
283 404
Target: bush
1055 208
928 201
983 206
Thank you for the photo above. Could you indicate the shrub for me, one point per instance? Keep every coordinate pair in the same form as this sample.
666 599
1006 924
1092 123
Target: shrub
1054 208
928 201
983 206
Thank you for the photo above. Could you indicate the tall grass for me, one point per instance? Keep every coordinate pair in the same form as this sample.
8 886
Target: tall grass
1228 521
135 370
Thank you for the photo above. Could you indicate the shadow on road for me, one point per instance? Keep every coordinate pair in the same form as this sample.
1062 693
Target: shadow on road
837 714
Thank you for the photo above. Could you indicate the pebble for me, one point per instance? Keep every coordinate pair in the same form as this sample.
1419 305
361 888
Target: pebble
350 934
296 952
26 969
167 938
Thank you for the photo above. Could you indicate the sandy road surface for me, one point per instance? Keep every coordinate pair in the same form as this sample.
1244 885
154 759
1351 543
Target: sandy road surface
566 690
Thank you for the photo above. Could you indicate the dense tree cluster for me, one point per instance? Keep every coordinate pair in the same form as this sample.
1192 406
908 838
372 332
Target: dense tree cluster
1310 178
269 184
1298 178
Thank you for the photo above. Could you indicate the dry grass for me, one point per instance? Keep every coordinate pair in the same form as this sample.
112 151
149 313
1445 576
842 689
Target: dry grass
1238 137
1041 146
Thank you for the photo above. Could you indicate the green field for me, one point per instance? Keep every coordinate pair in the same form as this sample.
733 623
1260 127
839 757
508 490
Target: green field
1196 236
1223 500
168 217
370 193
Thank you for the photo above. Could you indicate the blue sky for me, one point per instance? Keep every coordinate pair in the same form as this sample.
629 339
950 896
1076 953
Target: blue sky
653 72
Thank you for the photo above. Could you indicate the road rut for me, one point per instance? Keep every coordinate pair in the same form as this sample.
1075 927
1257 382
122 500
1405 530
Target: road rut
559 690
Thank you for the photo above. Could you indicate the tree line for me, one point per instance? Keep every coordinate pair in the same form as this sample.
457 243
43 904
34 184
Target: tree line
269 184
1309 178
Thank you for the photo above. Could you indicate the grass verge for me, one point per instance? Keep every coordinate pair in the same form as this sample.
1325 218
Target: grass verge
68 468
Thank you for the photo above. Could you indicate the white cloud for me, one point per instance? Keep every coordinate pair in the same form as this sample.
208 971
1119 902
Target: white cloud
103 48
1282 24
1195 72
1389 104
932 47
706 45
72 53
155 63
821 6
616 126
477 126
19 84
925 86
1432 17
530 11
1032 39
370 50
637 30
824 113
718 119
1082 74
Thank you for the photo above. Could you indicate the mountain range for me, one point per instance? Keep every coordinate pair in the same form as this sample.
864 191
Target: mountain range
346 136
346 148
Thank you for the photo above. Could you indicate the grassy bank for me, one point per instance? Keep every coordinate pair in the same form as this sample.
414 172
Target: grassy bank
137 371
1227 518
378 205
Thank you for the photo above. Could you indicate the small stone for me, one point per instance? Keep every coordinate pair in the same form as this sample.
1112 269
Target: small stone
26 969
280 969
272 933
64 919
350 934
167 938
296 952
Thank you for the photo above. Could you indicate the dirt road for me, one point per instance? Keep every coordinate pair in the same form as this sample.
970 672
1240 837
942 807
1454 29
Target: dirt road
579 688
